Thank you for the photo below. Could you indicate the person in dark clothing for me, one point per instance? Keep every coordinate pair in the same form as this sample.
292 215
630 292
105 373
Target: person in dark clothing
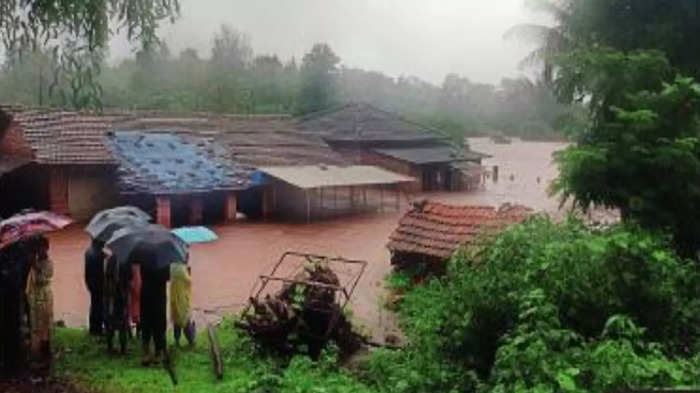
116 301
14 269
94 280
153 312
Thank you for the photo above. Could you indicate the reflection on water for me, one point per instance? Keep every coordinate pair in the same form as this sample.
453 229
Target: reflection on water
525 171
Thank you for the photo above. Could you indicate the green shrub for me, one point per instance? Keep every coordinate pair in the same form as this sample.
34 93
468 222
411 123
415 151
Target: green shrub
537 308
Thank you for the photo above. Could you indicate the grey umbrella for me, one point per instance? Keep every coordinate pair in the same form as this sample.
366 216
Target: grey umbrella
99 220
105 228
153 246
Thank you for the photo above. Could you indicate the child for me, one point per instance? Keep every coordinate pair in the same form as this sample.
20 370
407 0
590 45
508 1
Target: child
181 302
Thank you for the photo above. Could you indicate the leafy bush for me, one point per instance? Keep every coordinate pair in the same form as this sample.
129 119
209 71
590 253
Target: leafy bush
554 307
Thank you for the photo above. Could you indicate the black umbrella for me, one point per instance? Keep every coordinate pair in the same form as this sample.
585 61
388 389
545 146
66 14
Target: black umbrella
105 228
153 246
103 218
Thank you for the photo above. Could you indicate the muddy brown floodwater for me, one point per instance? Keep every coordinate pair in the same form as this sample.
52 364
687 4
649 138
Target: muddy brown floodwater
225 271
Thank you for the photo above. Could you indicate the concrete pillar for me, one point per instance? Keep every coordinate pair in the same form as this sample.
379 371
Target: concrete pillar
230 207
58 190
163 211
196 210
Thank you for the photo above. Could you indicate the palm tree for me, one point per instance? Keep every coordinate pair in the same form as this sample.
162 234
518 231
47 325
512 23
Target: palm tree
552 40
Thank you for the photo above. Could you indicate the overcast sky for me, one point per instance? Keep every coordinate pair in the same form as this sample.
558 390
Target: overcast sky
425 38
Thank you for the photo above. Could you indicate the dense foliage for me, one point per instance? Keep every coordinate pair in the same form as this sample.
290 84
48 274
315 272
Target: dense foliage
628 63
552 307
75 35
232 78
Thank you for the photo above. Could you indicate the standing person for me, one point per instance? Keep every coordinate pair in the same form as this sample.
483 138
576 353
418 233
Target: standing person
94 280
40 301
116 302
12 308
153 312
135 298
181 302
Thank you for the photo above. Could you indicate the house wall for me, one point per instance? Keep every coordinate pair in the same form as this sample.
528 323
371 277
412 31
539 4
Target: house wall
90 189
24 188
13 142
368 157
288 201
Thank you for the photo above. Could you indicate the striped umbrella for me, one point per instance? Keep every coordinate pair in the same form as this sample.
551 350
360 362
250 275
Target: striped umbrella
23 225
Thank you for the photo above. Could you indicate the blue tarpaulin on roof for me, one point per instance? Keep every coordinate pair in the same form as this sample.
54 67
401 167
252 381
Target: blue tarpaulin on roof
259 179
164 162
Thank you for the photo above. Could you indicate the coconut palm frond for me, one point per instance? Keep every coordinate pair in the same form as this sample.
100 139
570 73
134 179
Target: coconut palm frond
536 58
528 32
560 10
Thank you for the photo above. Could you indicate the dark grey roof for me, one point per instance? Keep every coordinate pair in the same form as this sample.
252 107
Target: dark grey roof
159 162
362 122
431 155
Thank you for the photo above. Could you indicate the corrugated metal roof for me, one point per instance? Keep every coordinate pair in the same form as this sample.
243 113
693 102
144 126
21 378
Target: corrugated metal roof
431 155
164 163
317 176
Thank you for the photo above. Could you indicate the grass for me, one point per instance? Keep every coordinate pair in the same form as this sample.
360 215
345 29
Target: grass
84 361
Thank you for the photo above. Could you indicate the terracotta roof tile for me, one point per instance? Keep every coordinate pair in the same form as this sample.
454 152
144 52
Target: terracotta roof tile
64 137
438 229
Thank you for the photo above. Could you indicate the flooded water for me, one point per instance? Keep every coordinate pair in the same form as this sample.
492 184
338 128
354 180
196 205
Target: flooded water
225 271
525 170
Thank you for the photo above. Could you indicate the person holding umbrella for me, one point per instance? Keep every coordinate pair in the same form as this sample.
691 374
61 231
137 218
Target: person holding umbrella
19 254
153 313
155 248
116 291
94 280
101 227
40 301
181 302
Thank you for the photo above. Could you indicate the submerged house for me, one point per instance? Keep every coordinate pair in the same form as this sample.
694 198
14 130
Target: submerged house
182 179
430 232
55 160
366 135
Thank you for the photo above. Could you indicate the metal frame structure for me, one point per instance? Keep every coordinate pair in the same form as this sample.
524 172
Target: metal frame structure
345 290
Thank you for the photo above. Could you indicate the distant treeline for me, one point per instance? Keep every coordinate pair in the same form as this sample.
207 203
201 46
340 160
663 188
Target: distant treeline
234 79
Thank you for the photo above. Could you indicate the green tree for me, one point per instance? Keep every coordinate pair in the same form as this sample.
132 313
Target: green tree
641 152
319 71
638 151
77 33
231 49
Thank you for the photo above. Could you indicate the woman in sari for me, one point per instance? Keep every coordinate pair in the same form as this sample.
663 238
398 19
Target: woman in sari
40 301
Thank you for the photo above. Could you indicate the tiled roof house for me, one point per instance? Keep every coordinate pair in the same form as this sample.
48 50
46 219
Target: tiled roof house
55 160
431 231
368 135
